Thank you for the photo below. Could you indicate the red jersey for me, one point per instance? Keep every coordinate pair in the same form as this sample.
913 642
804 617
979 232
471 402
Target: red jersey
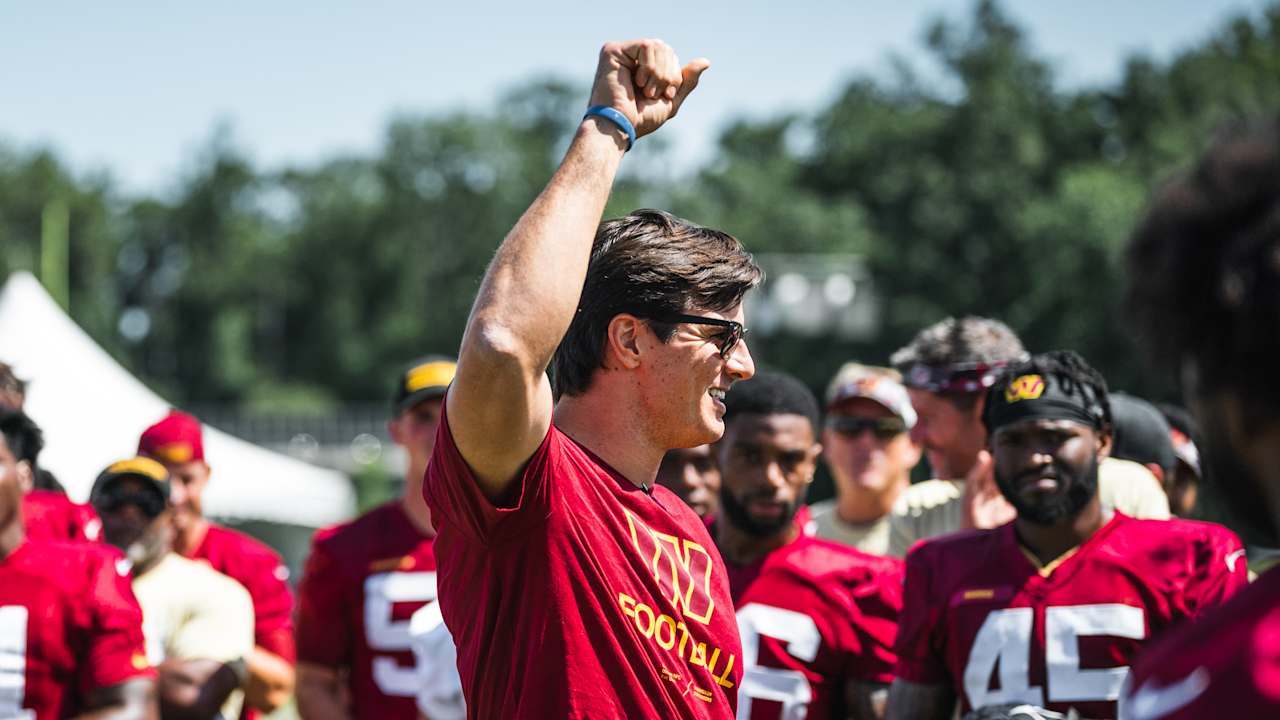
259 569
815 616
1226 665
50 515
363 582
582 597
69 624
1061 637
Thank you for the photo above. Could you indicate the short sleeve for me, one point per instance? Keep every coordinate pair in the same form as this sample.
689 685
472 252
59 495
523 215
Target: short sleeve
221 626
918 652
324 629
456 500
85 524
114 647
878 606
263 575
1220 570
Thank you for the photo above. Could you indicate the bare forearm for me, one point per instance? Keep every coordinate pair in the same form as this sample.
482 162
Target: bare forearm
194 689
321 695
531 290
270 681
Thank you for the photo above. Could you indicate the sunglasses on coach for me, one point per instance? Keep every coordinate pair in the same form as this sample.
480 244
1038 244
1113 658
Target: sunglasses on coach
883 428
728 339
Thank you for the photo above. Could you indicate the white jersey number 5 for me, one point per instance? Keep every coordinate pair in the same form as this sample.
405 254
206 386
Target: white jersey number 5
1005 636
789 687
381 592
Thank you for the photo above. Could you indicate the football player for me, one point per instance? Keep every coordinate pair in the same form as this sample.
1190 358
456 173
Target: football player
70 628
177 442
1205 268
365 579
47 514
817 618
1051 608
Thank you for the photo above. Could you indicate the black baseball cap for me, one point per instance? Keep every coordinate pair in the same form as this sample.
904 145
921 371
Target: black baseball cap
1140 432
424 379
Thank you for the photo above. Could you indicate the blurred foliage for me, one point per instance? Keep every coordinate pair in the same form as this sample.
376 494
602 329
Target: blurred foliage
988 190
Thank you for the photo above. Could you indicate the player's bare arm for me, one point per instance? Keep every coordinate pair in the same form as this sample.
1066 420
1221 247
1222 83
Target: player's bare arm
865 700
194 689
500 403
322 693
130 700
270 681
917 701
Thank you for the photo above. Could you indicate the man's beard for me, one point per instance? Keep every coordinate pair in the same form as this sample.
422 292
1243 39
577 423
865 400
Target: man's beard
1080 490
738 516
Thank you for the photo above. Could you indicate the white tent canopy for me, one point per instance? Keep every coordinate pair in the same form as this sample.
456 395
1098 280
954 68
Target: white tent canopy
92 411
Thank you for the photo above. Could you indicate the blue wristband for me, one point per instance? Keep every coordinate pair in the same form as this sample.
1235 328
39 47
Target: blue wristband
615 117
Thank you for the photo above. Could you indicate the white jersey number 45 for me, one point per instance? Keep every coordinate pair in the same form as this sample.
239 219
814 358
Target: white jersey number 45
1005 636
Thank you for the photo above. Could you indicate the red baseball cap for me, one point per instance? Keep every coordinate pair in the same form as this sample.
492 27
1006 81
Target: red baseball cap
174 440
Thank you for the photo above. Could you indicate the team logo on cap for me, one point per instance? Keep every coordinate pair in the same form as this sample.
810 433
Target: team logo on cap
1027 387
175 453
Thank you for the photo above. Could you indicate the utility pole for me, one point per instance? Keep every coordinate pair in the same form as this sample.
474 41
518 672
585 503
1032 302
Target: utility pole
55 251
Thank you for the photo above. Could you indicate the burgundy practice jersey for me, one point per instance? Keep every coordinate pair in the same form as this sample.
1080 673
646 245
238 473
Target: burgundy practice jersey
69 624
363 582
259 569
1227 665
50 515
815 616
981 617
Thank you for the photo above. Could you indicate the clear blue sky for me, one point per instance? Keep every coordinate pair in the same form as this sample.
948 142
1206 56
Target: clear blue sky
135 88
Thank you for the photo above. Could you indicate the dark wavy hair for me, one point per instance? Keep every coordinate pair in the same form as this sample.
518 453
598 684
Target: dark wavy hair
1073 374
1204 268
649 263
771 393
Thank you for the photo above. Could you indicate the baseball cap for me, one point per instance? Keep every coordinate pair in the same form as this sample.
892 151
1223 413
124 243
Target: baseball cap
176 439
855 380
425 379
143 468
1141 433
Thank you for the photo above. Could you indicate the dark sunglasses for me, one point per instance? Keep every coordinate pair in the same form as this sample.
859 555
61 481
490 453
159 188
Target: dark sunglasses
729 339
883 428
114 498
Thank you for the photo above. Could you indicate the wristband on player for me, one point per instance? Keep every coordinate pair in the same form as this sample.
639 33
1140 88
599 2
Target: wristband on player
615 117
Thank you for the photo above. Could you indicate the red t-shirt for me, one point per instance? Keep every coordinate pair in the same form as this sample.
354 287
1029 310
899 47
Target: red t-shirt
50 515
1226 665
584 597
976 607
363 582
259 569
69 624
815 616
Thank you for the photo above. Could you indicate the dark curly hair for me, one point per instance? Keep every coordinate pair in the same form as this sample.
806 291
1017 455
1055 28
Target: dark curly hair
771 393
1073 374
649 263
1204 268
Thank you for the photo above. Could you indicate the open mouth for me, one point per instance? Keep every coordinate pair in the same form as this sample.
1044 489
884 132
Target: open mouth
717 394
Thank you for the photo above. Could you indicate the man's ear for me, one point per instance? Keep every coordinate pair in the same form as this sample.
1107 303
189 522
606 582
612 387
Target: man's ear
26 477
1104 442
623 339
